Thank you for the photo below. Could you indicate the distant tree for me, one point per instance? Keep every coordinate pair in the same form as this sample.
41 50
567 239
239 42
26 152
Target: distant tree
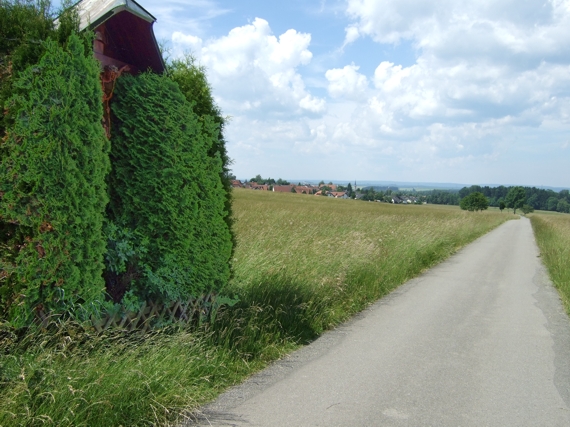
293 190
525 209
563 206
502 205
516 198
474 202
533 201
552 203
321 183
349 191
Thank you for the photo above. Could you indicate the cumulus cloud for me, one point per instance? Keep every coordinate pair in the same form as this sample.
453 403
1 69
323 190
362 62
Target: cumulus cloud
255 71
484 70
486 78
347 82
352 34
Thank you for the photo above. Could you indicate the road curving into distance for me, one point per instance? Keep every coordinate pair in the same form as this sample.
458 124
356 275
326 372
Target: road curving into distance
480 340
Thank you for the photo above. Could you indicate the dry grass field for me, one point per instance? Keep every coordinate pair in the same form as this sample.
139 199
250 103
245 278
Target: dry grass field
302 265
552 232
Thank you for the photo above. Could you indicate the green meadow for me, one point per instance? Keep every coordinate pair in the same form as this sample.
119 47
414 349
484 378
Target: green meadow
302 265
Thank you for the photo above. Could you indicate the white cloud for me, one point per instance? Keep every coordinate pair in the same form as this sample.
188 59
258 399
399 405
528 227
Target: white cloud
255 71
352 34
190 16
347 82
488 78
486 72
189 42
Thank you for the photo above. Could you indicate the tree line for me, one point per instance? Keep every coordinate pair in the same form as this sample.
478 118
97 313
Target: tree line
536 198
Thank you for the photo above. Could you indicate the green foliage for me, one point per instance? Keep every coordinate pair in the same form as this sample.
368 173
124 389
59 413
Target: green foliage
538 198
551 203
474 202
260 180
167 235
563 206
193 83
442 197
24 26
526 209
52 178
349 190
502 205
516 198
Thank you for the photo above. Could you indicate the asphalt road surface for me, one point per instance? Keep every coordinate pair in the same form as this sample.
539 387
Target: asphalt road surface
480 340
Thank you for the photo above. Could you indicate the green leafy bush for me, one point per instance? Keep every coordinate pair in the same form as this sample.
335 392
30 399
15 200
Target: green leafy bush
192 80
52 186
166 195
24 26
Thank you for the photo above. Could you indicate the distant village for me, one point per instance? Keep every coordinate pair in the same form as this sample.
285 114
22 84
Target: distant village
326 189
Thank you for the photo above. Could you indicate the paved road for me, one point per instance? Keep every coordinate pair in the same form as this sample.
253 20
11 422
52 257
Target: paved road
480 340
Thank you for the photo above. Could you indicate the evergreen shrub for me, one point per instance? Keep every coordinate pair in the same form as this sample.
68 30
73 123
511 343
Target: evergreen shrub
167 237
24 26
193 82
52 186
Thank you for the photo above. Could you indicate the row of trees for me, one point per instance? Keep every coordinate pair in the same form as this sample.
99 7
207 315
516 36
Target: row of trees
87 222
514 199
269 181
536 198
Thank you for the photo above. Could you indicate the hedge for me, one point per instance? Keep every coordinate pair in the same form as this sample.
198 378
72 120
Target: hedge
52 186
167 236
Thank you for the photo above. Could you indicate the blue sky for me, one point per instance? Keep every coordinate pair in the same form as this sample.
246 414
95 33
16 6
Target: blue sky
469 92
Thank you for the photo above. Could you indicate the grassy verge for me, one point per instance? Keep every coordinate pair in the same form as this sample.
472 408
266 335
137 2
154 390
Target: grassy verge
552 231
302 265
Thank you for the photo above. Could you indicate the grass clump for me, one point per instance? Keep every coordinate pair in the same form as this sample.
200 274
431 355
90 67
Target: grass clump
67 376
302 265
552 232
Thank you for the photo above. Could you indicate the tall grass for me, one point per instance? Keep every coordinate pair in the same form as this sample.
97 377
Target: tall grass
552 232
302 265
